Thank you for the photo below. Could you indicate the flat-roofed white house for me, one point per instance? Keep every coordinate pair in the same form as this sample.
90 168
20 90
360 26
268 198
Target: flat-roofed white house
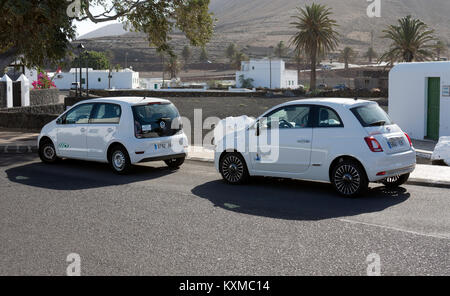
99 79
268 74
419 98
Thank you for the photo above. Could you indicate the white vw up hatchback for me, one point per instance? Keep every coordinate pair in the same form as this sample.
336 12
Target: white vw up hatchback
347 142
119 131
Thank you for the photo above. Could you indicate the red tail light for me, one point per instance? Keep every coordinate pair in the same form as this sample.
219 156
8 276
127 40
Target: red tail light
373 144
137 130
409 139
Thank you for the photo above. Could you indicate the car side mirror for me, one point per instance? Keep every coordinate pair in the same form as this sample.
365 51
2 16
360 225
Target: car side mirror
59 121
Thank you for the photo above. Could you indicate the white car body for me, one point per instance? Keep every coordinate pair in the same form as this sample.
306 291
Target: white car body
309 153
91 141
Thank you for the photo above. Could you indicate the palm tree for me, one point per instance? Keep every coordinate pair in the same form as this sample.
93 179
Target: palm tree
299 61
280 49
347 55
316 34
410 41
440 48
371 54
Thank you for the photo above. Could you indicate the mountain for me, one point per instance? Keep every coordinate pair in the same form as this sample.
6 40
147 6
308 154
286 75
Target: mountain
106 31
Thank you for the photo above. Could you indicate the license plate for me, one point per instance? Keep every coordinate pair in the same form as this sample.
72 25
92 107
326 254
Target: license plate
163 146
395 142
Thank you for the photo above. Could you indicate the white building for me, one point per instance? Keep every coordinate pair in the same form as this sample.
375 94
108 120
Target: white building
99 79
268 73
419 98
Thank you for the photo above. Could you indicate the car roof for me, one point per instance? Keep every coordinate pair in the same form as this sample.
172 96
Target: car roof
331 102
128 100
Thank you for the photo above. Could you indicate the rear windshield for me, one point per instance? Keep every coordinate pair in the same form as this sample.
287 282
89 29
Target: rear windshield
156 120
371 115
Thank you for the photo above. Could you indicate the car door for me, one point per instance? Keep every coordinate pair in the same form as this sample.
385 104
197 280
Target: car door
72 130
103 127
284 140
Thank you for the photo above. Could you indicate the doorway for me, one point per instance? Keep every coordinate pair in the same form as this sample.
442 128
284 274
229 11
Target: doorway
434 97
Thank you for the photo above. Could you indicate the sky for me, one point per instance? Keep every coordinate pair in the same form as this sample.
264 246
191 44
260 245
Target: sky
87 26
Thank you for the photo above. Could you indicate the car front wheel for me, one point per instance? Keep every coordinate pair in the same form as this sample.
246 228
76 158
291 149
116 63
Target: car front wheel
47 152
396 181
349 178
233 168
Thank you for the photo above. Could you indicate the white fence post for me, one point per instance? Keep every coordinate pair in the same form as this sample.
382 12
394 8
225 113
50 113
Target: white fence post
25 90
9 91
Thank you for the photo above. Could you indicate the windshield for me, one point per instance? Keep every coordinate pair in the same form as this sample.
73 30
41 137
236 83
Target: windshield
371 115
156 120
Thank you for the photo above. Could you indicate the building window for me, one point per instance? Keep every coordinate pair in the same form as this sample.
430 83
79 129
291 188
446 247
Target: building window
99 79
253 68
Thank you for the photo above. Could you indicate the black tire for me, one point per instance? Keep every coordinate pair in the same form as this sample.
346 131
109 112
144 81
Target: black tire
396 181
233 169
47 152
349 178
119 160
174 163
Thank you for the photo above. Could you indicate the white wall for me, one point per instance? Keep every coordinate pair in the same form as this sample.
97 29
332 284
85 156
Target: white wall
259 71
98 79
408 97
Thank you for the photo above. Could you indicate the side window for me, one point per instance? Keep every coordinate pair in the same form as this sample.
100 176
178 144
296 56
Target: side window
289 117
106 114
79 115
328 118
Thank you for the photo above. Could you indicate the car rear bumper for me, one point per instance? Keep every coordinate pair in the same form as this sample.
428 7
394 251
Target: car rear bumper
391 165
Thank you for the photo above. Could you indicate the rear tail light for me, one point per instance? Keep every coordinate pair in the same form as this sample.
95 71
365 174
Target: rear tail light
409 139
137 130
373 144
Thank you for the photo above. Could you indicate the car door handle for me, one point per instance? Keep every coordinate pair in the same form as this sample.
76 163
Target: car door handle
110 130
303 141
82 129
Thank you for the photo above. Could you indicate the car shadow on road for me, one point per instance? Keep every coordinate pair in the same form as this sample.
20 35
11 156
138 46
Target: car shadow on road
78 175
296 200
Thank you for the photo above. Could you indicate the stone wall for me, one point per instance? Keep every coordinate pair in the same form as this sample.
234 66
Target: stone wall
44 109
28 121
44 96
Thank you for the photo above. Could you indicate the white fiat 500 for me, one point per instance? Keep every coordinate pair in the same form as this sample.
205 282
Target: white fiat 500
119 131
347 142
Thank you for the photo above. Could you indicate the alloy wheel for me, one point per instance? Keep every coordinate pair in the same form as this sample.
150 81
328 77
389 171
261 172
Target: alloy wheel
232 169
347 179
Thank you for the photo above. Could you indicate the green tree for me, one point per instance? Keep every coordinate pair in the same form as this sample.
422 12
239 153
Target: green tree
203 55
347 56
411 41
371 54
95 60
40 31
315 34
186 54
231 51
440 48
280 49
173 66
238 58
246 82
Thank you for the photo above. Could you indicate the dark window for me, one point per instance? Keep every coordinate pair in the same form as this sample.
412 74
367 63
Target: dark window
99 79
106 114
371 115
156 120
79 114
328 118
295 116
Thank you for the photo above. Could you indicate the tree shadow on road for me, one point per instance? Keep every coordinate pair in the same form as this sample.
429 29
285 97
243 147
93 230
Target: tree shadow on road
78 175
296 200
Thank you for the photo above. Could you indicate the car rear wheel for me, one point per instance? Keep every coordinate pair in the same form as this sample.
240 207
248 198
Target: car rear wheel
47 152
396 181
119 160
174 163
233 168
349 178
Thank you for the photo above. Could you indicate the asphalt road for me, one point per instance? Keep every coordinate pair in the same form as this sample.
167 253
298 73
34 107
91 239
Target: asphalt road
188 222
